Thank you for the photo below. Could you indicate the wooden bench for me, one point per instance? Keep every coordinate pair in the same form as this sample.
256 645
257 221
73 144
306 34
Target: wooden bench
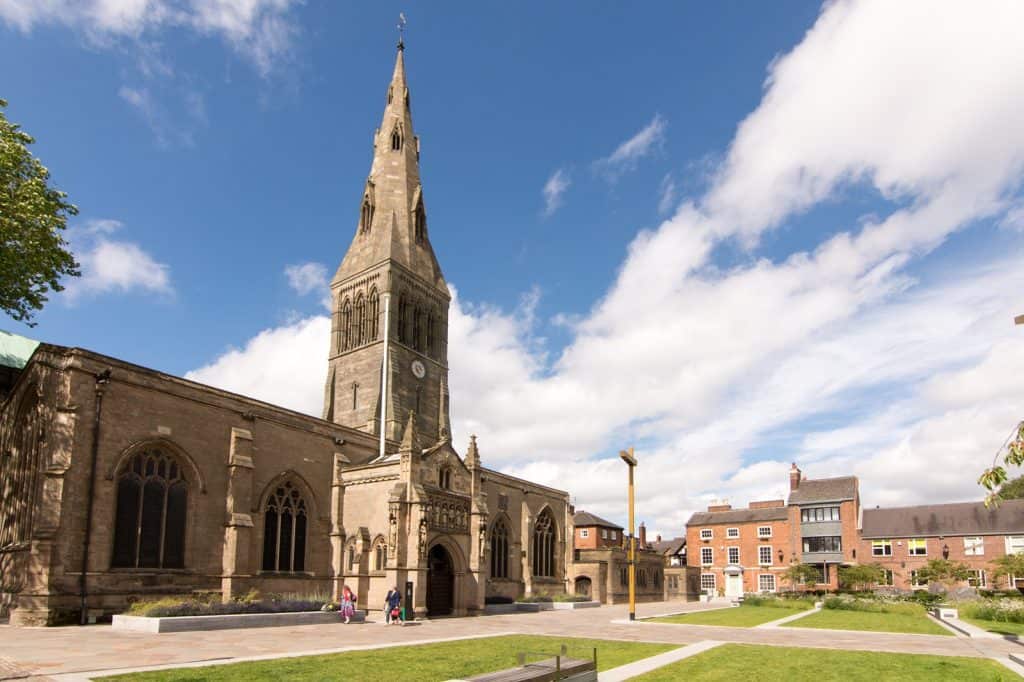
558 668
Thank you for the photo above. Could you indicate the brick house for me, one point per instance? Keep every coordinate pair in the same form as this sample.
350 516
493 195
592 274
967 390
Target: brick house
600 566
824 517
681 581
903 539
739 550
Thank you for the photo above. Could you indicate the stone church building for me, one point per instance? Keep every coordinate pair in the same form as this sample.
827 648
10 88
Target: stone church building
118 482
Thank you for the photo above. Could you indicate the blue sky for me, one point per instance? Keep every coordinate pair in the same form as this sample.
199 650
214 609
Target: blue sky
770 232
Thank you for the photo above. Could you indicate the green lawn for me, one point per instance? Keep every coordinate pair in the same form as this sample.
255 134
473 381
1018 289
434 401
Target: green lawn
420 663
753 663
840 619
997 626
737 617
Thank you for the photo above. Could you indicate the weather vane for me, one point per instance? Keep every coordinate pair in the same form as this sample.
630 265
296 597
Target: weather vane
401 30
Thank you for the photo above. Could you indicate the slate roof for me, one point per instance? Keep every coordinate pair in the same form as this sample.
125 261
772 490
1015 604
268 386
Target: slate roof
825 490
739 516
962 518
673 546
583 519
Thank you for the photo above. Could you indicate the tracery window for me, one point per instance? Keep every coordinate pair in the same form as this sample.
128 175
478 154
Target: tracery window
403 319
380 555
396 139
284 530
346 325
499 550
152 501
19 472
417 328
544 545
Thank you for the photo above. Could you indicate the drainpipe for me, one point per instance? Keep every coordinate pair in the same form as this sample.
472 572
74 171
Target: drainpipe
384 372
102 379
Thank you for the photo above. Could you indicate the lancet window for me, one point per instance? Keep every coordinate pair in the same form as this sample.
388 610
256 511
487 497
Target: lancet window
544 545
373 315
499 550
396 138
152 505
366 215
284 530
360 321
420 222
380 555
345 326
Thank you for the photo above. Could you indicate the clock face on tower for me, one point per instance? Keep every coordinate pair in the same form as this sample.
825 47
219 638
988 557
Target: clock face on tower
418 369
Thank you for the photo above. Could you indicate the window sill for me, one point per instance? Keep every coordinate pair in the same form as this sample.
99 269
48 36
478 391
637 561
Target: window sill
149 570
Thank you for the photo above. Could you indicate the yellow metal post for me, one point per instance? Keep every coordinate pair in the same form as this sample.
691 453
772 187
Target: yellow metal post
630 459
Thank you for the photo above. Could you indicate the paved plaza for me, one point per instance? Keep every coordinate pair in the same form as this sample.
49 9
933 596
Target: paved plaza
78 653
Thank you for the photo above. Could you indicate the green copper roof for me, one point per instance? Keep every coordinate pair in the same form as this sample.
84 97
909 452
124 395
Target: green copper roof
15 350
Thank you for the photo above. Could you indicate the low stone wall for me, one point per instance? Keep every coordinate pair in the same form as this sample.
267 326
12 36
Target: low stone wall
535 607
229 622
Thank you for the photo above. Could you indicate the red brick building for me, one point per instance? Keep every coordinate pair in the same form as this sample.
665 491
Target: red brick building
903 539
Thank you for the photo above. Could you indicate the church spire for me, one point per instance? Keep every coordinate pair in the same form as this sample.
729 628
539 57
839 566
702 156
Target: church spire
393 222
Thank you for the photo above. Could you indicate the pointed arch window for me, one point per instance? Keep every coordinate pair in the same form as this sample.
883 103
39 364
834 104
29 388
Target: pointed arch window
20 468
403 319
396 138
543 545
149 523
373 316
417 327
380 555
284 530
346 325
444 477
431 346
360 321
499 549
420 222
366 215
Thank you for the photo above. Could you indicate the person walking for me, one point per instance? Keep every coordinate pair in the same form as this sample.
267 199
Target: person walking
387 607
348 604
395 606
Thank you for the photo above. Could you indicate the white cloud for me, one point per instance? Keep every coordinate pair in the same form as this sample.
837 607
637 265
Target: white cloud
836 356
259 30
285 365
308 278
667 194
625 157
112 266
553 190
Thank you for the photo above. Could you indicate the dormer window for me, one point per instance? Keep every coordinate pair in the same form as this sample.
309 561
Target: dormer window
366 215
396 139
391 94
420 222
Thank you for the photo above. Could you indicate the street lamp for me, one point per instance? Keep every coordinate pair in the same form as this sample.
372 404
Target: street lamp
630 459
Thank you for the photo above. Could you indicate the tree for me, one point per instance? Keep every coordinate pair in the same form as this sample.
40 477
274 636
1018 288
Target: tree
1010 566
861 576
801 574
1012 489
943 571
33 253
995 476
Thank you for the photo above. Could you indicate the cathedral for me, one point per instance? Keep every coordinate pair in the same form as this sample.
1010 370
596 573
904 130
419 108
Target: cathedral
120 483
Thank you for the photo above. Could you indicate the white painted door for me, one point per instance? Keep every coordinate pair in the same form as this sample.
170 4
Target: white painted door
734 586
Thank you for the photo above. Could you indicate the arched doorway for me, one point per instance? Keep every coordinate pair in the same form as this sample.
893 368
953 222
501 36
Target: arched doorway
440 582
583 586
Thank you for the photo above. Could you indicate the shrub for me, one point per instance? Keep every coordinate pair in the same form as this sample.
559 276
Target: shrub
849 603
197 605
535 599
999 610
926 598
788 602
571 597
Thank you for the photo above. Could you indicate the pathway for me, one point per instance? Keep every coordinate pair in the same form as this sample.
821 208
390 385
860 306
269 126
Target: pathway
52 651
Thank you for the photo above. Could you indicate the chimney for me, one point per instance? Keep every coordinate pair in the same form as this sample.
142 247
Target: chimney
766 504
719 507
643 535
794 477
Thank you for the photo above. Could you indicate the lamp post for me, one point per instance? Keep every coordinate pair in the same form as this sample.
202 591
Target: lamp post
630 459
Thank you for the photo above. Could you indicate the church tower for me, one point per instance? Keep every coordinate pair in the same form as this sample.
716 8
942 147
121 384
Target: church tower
389 325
